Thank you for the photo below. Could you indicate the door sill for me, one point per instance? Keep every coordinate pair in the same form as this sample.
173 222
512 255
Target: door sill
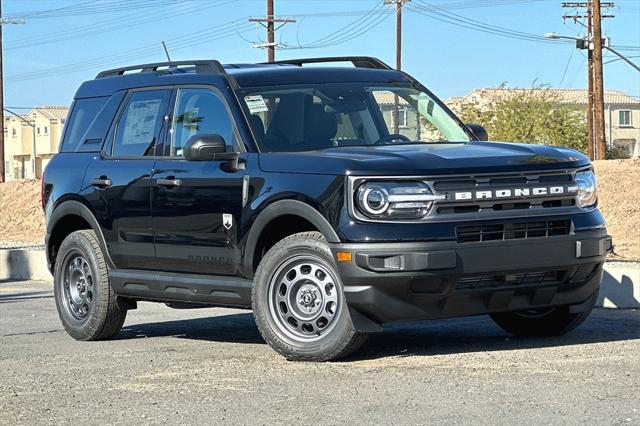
173 287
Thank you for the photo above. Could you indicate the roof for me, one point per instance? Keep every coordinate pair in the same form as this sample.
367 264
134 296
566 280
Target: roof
54 112
388 98
268 75
245 75
564 96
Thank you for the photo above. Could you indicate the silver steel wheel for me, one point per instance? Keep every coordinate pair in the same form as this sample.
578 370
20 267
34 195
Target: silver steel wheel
77 286
304 298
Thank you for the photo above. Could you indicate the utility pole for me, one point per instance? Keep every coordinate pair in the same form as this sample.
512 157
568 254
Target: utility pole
3 22
594 45
590 110
396 110
600 140
2 170
269 22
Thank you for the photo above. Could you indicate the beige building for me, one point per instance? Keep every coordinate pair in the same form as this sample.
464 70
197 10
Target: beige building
46 123
622 112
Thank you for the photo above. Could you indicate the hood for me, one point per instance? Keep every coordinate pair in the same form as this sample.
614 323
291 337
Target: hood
425 159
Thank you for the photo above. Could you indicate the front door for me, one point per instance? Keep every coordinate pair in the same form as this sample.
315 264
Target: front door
196 205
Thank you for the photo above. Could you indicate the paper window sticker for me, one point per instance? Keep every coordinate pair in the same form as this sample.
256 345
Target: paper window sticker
256 104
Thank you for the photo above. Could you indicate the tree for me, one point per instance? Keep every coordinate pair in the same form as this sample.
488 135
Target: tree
529 116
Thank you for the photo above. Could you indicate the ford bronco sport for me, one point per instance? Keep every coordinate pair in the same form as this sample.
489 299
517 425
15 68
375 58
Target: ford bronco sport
330 200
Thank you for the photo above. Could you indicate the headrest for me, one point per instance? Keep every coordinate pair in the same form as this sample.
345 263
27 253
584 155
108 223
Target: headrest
319 125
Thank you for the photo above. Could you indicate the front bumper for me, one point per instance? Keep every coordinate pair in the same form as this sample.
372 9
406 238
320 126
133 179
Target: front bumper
389 282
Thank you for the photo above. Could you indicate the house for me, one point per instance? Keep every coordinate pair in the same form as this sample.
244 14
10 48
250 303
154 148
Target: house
622 112
45 124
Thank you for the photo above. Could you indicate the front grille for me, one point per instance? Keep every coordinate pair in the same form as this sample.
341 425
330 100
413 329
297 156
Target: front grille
463 203
512 231
476 282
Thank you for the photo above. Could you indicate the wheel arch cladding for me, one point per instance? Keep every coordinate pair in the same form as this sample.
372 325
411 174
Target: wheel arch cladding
66 218
298 217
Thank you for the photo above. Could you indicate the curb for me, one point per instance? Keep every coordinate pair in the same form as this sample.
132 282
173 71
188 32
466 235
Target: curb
620 286
24 264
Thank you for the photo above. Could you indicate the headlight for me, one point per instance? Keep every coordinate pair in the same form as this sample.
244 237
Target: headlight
586 183
395 200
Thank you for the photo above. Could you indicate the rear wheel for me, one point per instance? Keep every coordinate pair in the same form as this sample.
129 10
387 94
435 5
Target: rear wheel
543 322
298 301
86 303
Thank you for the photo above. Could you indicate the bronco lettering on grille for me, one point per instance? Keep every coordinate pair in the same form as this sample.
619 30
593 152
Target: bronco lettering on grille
536 191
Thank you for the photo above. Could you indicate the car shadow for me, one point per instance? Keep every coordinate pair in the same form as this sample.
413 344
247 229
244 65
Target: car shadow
234 328
423 338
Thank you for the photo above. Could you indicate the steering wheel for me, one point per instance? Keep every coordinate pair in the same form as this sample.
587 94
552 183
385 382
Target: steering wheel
391 138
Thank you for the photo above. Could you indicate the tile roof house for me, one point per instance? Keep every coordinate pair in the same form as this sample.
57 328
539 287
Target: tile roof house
45 123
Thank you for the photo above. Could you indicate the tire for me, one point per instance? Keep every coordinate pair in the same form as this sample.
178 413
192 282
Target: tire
298 301
544 322
86 303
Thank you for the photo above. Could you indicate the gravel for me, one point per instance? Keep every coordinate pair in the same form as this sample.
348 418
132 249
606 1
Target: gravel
31 245
210 366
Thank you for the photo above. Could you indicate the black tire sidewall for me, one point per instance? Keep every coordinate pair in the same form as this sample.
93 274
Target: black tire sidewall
331 344
85 329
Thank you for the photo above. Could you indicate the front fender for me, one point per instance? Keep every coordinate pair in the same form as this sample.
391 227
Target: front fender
281 208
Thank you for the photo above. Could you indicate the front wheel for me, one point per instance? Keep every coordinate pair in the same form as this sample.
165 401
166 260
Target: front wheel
543 322
298 301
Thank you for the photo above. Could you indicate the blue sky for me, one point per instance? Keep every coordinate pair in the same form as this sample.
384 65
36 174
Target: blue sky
449 59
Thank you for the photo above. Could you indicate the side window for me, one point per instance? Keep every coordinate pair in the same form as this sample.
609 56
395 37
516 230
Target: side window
197 112
140 124
83 113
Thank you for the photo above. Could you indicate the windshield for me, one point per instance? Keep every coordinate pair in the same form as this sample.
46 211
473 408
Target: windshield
314 117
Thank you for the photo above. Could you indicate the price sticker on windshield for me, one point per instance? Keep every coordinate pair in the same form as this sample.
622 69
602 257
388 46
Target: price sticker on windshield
255 103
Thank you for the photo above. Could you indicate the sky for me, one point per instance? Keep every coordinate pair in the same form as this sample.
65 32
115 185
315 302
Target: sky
65 42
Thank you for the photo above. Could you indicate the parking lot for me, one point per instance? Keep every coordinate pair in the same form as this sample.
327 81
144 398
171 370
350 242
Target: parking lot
211 366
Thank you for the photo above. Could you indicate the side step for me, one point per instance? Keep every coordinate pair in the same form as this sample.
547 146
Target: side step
166 287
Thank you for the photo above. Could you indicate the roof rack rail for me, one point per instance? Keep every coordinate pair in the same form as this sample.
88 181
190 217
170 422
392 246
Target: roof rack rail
202 67
357 61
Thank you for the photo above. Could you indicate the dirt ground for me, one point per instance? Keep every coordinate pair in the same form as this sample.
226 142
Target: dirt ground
21 217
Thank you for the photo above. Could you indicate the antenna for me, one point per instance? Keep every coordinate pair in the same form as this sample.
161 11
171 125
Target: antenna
166 51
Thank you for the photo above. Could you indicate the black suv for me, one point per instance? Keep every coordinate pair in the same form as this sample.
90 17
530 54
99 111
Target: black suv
329 199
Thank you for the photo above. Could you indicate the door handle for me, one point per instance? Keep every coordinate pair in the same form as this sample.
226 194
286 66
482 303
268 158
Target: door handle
101 182
169 182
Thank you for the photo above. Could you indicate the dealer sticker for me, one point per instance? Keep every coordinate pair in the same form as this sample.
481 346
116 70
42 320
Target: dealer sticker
256 104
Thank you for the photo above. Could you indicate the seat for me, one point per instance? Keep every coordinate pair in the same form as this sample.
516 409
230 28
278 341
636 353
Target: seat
320 127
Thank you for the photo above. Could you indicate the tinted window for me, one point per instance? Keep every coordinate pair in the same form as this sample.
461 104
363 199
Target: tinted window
199 111
140 125
83 113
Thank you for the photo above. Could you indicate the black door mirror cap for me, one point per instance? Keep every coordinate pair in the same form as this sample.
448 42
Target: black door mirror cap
478 131
206 147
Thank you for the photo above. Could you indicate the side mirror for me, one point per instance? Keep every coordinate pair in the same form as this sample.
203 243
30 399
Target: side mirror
204 147
478 131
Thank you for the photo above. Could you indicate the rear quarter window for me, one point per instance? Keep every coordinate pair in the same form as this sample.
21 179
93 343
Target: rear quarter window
82 114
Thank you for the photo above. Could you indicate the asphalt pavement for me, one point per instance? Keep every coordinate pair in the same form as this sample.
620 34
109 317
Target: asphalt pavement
210 366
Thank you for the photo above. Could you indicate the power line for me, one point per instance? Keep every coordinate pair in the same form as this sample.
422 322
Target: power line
352 30
441 14
105 27
98 7
566 68
188 40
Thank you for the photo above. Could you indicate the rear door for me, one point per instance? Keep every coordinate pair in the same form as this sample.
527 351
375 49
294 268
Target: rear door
119 179
196 205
